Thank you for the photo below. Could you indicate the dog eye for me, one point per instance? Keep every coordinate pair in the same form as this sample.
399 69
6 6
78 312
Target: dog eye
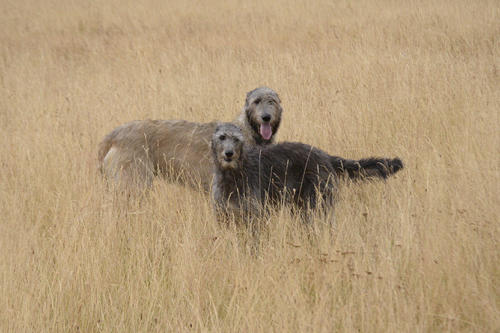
222 137
257 101
236 140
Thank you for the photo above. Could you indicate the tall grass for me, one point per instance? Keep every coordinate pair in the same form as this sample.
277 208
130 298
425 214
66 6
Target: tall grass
415 79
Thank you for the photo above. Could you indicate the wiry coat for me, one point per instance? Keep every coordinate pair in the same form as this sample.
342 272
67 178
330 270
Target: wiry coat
248 177
133 153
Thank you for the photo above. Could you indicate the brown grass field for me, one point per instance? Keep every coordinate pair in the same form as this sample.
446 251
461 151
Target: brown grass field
414 79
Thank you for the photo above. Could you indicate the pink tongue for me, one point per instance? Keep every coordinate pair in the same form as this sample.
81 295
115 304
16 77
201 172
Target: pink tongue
266 131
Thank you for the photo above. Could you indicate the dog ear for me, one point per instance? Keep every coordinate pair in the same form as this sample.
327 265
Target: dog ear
237 127
248 97
278 98
218 126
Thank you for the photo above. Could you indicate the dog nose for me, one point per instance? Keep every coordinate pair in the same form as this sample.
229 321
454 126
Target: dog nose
229 153
266 117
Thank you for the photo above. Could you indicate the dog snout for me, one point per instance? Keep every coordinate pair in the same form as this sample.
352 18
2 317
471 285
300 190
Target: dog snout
229 153
266 117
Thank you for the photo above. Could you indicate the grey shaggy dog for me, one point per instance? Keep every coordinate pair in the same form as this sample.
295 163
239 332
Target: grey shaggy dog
247 178
134 153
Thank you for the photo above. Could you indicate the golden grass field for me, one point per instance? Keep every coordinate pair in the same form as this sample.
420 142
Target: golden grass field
414 79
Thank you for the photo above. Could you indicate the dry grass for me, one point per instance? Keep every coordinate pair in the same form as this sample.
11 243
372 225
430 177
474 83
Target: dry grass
419 80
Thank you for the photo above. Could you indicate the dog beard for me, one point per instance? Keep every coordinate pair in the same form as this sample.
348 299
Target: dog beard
228 164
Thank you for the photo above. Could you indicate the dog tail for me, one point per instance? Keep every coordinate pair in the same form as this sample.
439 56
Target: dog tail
105 146
367 167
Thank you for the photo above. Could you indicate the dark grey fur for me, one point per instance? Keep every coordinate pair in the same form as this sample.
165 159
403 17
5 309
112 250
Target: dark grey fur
249 177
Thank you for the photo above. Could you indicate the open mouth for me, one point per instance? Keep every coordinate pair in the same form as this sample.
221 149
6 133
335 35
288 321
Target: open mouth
266 131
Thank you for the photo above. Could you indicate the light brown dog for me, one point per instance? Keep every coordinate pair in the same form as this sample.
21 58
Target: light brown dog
133 153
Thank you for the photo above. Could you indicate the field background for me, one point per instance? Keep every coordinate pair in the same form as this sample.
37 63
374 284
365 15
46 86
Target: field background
415 79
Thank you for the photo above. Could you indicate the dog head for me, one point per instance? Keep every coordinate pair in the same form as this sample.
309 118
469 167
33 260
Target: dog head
227 146
263 114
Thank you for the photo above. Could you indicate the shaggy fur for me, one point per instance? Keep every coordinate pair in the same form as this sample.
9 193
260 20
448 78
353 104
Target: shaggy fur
132 154
248 177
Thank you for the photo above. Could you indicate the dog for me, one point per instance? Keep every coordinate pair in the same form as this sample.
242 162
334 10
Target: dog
248 178
134 153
